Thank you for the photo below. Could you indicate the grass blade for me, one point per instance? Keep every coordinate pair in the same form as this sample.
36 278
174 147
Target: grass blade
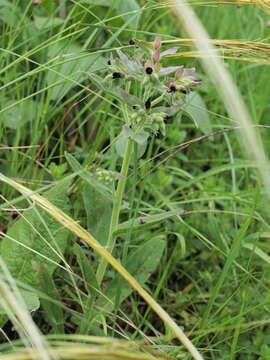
69 223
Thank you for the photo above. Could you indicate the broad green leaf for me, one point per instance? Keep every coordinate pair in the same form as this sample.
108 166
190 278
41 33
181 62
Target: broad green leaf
127 98
140 138
91 284
52 311
88 274
31 299
169 110
108 87
36 241
141 264
9 13
144 222
70 67
128 9
58 170
42 22
122 140
20 114
88 177
98 210
196 109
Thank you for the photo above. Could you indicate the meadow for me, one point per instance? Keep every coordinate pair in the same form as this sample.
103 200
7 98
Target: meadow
134 180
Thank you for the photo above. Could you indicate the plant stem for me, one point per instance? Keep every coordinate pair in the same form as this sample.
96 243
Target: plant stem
116 209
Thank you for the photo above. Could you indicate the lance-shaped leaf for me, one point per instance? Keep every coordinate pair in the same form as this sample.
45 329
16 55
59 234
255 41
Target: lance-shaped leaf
36 240
116 92
98 210
169 110
89 177
130 100
195 107
141 264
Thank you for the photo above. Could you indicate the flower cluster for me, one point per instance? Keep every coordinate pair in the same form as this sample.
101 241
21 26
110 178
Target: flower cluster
161 89
105 176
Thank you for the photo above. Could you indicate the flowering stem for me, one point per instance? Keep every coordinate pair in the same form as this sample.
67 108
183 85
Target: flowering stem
116 209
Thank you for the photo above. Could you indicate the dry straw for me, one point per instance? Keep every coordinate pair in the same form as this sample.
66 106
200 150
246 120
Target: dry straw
90 348
251 51
75 228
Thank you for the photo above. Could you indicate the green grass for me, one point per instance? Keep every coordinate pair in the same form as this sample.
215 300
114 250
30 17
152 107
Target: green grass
204 259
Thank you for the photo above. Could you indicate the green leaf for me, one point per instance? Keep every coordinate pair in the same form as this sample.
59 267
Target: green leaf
52 309
144 222
91 284
70 67
140 138
196 109
88 177
42 22
108 87
141 264
9 13
127 98
36 240
31 299
88 274
98 210
130 10
58 170
169 110
20 114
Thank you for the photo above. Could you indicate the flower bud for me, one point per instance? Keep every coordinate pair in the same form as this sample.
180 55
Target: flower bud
172 87
157 43
118 75
149 70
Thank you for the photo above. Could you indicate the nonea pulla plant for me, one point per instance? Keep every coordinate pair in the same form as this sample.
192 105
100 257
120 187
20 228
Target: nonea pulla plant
147 93
160 91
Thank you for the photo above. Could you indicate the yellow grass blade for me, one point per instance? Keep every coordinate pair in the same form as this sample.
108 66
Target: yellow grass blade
251 51
69 223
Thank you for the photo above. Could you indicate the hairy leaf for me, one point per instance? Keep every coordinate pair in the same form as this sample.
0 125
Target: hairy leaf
89 178
36 241
128 9
196 109
98 209
70 67
141 264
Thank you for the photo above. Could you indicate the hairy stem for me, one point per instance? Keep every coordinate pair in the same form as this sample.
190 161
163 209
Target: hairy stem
116 209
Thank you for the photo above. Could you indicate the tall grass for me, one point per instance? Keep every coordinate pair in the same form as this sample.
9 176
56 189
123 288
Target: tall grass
212 277
227 89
